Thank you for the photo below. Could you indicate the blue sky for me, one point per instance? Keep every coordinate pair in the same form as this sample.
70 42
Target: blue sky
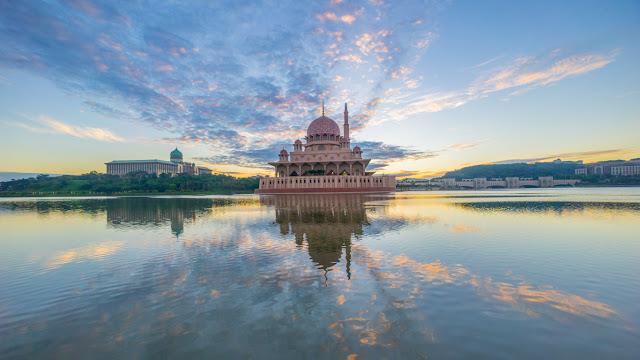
432 86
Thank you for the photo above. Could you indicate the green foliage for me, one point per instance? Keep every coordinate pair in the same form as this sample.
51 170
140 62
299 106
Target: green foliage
132 183
314 172
605 180
535 170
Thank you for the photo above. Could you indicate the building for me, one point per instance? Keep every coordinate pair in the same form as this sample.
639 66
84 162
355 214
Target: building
618 168
559 161
325 163
175 165
493 183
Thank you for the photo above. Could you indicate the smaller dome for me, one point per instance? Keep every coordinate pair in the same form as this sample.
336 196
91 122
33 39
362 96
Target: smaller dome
357 148
298 142
344 140
176 153
283 152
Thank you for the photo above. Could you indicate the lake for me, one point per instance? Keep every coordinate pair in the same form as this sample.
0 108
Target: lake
501 274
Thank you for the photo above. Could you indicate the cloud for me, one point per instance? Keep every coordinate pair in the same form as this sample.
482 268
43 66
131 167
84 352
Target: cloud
349 19
229 82
327 16
382 153
385 154
418 174
463 146
518 76
571 156
50 126
466 146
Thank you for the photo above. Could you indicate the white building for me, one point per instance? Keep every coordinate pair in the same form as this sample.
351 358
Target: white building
175 165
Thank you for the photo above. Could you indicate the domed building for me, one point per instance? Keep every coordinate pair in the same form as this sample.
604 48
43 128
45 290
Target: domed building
325 162
175 165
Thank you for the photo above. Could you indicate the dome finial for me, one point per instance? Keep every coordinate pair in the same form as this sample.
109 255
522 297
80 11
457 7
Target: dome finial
322 107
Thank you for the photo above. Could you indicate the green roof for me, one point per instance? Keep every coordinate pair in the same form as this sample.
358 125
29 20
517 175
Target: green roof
176 153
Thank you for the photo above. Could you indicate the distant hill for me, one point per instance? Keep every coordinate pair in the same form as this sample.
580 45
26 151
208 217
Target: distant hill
8 176
535 170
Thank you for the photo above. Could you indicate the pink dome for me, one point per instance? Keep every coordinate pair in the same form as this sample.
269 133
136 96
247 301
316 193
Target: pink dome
298 142
357 148
283 152
344 140
323 125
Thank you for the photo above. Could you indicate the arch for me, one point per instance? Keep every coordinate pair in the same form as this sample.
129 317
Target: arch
281 171
294 173
305 168
317 137
344 167
332 169
324 137
358 168
332 137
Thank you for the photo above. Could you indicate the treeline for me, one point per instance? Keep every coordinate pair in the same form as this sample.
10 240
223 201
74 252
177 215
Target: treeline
134 182
535 170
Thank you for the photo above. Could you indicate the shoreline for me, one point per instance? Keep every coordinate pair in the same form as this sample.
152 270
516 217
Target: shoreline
132 194
7 195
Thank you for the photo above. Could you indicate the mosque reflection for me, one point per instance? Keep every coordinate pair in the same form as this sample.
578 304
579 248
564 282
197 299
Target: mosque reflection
327 223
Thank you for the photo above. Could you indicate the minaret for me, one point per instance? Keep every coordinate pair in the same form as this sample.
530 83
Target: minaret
346 122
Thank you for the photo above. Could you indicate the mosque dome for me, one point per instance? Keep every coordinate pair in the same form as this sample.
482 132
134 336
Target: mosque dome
323 125
357 148
283 152
176 153
298 142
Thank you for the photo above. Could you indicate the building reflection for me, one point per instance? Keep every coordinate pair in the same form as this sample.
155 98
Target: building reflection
549 207
152 212
327 223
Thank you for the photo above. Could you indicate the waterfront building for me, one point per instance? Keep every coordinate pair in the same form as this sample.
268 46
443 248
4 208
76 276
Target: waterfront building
325 162
483 183
618 168
175 165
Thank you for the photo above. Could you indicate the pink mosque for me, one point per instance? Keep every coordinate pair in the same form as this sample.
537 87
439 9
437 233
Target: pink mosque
325 163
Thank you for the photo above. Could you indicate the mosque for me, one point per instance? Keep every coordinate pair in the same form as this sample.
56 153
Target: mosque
175 165
325 163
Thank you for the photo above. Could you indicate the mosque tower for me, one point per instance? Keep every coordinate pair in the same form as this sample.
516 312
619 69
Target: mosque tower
346 122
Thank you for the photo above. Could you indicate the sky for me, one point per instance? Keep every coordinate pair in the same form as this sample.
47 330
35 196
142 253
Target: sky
432 86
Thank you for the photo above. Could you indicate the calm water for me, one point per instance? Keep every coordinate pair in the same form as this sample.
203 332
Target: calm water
508 274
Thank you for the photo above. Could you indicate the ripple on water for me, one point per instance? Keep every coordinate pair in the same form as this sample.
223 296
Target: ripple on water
517 274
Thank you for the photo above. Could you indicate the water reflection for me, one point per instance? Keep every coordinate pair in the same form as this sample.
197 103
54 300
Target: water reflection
554 207
149 212
288 275
326 222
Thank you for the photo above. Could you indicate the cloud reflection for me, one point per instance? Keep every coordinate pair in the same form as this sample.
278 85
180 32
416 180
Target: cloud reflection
95 252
